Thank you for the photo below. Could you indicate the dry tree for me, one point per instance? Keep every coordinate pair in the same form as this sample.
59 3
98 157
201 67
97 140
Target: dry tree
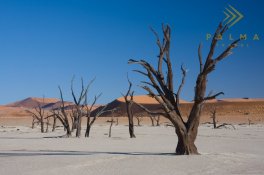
111 123
223 125
38 116
54 114
90 114
129 103
162 87
63 116
139 118
213 116
154 118
77 112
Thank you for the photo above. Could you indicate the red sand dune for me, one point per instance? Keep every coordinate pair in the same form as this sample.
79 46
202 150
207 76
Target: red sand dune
33 102
144 99
230 109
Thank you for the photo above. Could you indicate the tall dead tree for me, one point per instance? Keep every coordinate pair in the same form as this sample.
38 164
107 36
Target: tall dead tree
63 116
88 111
79 104
129 102
162 88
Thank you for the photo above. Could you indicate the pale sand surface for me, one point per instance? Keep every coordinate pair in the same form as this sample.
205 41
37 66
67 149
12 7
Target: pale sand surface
25 151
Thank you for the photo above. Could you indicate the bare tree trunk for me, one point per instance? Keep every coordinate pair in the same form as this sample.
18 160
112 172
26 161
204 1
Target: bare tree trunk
110 128
79 126
164 86
152 120
213 113
68 131
54 123
186 142
129 103
47 124
130 119
157 120
33 123
87 132
63 116
42 126
117 122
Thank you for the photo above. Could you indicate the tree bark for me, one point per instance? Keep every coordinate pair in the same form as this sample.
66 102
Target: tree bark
79 126
168 99
42 126
87 132
129 103
54 123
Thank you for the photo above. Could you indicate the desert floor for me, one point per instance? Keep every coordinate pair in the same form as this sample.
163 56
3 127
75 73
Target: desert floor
26 151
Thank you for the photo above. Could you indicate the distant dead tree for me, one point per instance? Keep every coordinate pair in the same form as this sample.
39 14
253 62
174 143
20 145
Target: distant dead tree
139 118
38 116
73 117
88 111
162 88
154 118
117 121
54 114
129 102
79 105
213 116
111 124
63 116
48 123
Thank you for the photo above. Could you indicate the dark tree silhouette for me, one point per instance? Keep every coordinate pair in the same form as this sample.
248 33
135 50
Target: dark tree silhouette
38 116
162 88
129 102
63 116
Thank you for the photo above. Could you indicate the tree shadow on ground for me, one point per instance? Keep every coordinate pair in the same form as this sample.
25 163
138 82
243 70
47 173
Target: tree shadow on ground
18 153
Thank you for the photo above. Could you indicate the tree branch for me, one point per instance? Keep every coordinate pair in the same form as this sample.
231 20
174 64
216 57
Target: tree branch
213 96
200 57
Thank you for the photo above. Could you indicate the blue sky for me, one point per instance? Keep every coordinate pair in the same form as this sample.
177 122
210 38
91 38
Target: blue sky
43 43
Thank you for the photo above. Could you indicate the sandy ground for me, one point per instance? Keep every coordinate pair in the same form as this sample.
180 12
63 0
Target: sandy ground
223 151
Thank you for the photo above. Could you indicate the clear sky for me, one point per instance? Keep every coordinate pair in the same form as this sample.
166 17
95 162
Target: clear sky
43 43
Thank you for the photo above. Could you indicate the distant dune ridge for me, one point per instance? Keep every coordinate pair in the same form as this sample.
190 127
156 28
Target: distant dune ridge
33 102
225 107
237 110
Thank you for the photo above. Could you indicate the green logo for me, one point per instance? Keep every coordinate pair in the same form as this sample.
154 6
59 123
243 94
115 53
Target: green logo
232 16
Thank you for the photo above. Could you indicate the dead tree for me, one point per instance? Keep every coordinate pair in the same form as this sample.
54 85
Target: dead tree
38 116
88 111
74 119
111 124
129 102
213 116
162 88
151 119
54 124
139 118
47 124
63 116
117 121
156 118
78 113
